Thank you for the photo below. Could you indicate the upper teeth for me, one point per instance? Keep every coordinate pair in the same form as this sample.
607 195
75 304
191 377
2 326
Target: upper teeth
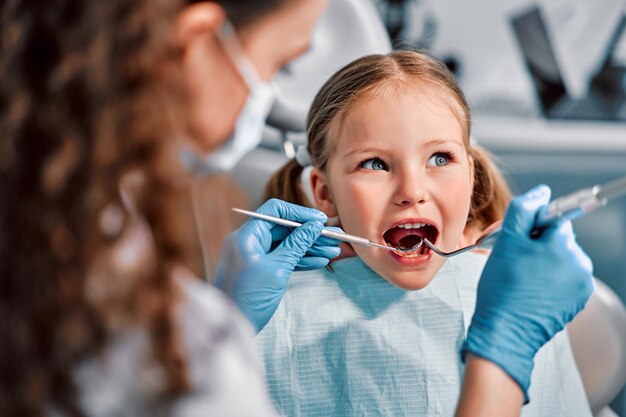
411 225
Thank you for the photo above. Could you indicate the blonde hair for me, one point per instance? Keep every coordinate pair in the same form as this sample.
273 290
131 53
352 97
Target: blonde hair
369 76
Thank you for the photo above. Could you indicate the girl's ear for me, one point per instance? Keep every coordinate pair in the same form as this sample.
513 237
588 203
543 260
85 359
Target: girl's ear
322 193
196 20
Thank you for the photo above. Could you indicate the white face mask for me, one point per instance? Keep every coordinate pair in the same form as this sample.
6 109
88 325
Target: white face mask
251 120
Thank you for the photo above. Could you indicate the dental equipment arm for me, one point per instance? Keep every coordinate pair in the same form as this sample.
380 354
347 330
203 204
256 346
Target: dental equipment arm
258 258
529 290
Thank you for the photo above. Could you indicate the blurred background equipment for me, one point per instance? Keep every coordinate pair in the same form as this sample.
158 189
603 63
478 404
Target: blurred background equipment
408 21
605 98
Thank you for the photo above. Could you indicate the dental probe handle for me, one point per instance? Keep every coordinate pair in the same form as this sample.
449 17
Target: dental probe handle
325 232
579 203
572 206
568 207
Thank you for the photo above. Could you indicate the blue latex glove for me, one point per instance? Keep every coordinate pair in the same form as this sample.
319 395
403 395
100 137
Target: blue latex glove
529 290
258 259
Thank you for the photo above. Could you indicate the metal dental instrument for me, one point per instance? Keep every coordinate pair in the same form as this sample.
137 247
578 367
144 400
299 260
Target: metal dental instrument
568 207
325 232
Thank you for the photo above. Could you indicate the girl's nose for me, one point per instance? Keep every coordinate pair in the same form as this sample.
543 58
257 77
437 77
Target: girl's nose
411 189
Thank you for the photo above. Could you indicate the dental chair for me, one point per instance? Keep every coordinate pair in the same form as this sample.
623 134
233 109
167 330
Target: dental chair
353 28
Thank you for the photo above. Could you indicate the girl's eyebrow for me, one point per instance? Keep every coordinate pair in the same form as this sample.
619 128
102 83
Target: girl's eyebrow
443 142
377 150
364 150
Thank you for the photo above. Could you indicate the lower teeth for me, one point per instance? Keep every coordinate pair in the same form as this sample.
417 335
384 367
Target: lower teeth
414 254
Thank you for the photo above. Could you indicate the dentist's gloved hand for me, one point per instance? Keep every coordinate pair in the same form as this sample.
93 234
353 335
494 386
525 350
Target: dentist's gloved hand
258 259
529 290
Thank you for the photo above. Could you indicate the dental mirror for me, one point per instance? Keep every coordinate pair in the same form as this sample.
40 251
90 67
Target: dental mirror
416 246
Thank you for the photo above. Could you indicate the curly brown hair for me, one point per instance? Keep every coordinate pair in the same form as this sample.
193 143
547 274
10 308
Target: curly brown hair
88 94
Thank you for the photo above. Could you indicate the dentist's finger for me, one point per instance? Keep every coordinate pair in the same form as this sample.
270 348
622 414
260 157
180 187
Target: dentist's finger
266 232
309 263
328 252
284 210
298 242
521 214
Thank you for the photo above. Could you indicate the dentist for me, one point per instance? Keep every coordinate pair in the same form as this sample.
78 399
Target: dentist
100 314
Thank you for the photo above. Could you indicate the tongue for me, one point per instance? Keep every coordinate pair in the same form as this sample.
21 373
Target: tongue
406 238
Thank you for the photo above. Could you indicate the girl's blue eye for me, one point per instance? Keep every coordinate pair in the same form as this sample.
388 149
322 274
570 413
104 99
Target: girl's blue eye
439 160
375 164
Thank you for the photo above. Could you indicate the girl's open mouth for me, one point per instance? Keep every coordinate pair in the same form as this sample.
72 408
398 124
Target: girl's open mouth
408 234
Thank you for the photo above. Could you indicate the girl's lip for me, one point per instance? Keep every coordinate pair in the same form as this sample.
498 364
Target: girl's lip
411 261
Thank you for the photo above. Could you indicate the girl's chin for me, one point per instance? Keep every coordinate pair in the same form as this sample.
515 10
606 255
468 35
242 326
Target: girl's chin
412 277
411 286
410 281
407 273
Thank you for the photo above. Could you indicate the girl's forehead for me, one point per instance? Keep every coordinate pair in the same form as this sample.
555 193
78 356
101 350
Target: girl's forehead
383 111
421 96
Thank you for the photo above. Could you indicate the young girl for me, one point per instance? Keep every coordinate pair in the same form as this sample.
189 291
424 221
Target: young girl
388 140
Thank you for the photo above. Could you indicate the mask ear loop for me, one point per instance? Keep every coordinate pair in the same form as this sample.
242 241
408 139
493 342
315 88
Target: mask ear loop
200 230
250 75
229 38
235 51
